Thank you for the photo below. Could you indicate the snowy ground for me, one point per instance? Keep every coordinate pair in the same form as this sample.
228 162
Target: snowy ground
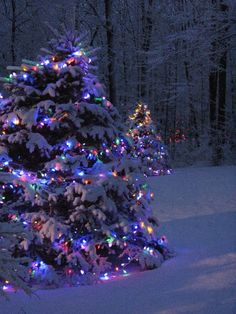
197 210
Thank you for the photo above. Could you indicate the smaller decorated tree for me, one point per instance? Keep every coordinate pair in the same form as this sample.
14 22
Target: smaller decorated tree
148 145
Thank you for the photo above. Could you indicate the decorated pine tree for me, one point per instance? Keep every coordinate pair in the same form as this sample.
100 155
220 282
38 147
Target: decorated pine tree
64 174
148 145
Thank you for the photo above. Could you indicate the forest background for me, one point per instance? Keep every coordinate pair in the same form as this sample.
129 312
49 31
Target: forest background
177 56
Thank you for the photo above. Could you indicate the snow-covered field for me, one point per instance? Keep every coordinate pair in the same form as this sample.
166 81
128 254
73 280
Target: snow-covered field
197 210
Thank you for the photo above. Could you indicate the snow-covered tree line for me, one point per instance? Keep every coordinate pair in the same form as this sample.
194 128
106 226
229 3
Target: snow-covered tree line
177 56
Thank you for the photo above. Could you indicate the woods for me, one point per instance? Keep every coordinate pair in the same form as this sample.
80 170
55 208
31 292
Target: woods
177 56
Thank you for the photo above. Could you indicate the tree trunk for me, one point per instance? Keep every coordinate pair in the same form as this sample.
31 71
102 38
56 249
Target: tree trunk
110 51
13 32
222 97
217 88
77 21
147 25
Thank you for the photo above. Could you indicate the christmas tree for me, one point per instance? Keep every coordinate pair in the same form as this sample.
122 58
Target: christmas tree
148 145
64 174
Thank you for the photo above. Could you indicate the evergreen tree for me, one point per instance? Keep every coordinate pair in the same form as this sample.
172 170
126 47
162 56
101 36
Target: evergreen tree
148 145
65 175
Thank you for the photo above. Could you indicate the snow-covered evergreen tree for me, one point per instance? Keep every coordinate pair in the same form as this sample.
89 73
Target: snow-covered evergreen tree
64 173
148 145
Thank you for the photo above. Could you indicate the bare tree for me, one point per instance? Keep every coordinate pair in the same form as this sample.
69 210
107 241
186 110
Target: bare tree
14 11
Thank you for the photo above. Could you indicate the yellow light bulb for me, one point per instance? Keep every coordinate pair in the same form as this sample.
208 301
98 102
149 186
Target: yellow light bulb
149 229
55 67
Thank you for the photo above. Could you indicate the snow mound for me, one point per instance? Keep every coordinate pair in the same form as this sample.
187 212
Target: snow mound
198 209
